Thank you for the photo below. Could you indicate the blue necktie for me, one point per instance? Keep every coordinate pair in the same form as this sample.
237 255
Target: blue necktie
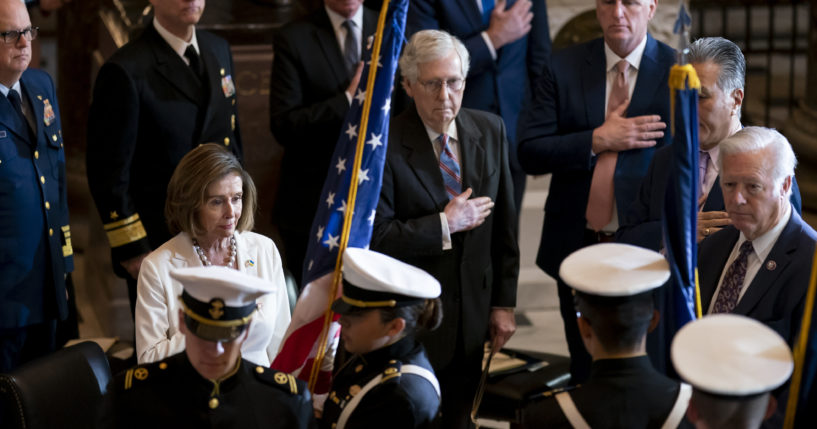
487 8
450 168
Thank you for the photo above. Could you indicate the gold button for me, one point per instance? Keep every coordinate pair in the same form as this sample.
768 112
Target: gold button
50 232
259 369
359 368
47 205
226 141
232 122
354 390
233 101
213 404
54 137
163 365
36 154
221 72
42 179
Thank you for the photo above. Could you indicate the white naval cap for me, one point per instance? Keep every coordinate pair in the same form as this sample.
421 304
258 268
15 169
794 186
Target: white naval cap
372 279
731 355
218 302
614 270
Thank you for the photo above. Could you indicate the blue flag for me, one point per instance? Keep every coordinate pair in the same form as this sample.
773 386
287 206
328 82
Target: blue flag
680 217
355 173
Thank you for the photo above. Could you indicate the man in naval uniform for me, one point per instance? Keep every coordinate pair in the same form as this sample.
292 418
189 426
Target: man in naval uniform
35 239
613 285
733 363
209 384
155 99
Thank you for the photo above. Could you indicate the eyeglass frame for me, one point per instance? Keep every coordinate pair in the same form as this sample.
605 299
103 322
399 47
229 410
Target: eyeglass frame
31 30
435 85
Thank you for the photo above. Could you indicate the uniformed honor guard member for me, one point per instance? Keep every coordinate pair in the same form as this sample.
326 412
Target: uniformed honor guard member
733 363
613 285
158 97
388 382
209 384
35 239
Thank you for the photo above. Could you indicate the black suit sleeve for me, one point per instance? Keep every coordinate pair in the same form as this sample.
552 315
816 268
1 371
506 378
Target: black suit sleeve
113 127
504 244
638 227
290 115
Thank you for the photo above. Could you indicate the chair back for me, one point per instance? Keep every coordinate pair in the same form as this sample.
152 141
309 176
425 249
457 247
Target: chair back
65 389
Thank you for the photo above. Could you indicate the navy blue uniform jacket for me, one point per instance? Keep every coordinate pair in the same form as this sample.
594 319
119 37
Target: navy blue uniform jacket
35 239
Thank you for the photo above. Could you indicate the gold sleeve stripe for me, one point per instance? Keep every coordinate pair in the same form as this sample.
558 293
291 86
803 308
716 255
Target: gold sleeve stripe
293 387
125 231
67 250
129 379
130 219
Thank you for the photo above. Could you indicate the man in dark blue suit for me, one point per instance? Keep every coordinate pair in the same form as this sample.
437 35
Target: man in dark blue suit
567 133
35 239
314 77
760 265
509 44
721 67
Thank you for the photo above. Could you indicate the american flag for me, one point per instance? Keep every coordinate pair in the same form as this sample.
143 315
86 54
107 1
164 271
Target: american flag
367 120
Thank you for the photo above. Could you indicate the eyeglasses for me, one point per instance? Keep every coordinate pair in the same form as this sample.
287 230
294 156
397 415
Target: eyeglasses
13 36
434 86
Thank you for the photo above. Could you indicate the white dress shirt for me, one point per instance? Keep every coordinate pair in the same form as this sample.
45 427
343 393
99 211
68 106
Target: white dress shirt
178 45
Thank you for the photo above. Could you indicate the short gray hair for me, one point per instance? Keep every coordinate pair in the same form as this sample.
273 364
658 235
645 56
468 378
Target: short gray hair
781 161
725 54
431 45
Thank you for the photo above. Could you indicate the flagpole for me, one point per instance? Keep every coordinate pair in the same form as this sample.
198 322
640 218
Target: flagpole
347 217
800 348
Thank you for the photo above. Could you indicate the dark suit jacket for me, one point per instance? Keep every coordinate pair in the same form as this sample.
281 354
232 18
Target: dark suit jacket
481 270
500 86
307 108
149 109
35 239
557 138
776 295
642 225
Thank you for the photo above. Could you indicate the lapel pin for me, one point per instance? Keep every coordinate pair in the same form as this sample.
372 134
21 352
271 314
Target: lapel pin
771 265
249 263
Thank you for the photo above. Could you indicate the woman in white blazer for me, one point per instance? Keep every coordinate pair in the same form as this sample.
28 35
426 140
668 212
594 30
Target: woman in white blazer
210 205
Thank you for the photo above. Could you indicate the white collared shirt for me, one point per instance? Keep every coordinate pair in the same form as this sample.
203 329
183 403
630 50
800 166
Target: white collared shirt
177 44
340 31
761 247
454 146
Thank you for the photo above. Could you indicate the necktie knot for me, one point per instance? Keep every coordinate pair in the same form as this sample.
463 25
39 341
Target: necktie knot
746 248
14 97
622 66
193 57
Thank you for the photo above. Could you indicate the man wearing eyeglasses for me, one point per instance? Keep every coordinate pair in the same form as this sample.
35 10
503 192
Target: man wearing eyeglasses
446 206
159 96
35 239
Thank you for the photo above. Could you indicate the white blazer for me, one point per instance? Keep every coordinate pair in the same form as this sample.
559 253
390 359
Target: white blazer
157 298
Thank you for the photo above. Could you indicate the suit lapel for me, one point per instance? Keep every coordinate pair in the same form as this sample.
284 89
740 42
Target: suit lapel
30 91
171 67
213 74
421 158
246 254
594 82
325 37
471 11
183 253
649 79
472 154
765 278
369 28
714 201
13 121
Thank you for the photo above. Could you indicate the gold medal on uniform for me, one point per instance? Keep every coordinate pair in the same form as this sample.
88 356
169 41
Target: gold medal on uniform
227 86
48 113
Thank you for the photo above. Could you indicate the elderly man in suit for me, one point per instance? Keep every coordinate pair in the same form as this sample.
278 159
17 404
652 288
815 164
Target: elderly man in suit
315 73
721 68
759 265
509 44
597 159
446 206
35 239
155 99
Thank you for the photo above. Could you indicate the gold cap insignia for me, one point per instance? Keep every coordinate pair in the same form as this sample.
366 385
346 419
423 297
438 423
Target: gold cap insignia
216 308
140 373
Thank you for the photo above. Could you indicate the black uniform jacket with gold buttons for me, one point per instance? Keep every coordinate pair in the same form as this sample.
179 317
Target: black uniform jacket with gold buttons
35 239
620 393
399 401
149 109
171 394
